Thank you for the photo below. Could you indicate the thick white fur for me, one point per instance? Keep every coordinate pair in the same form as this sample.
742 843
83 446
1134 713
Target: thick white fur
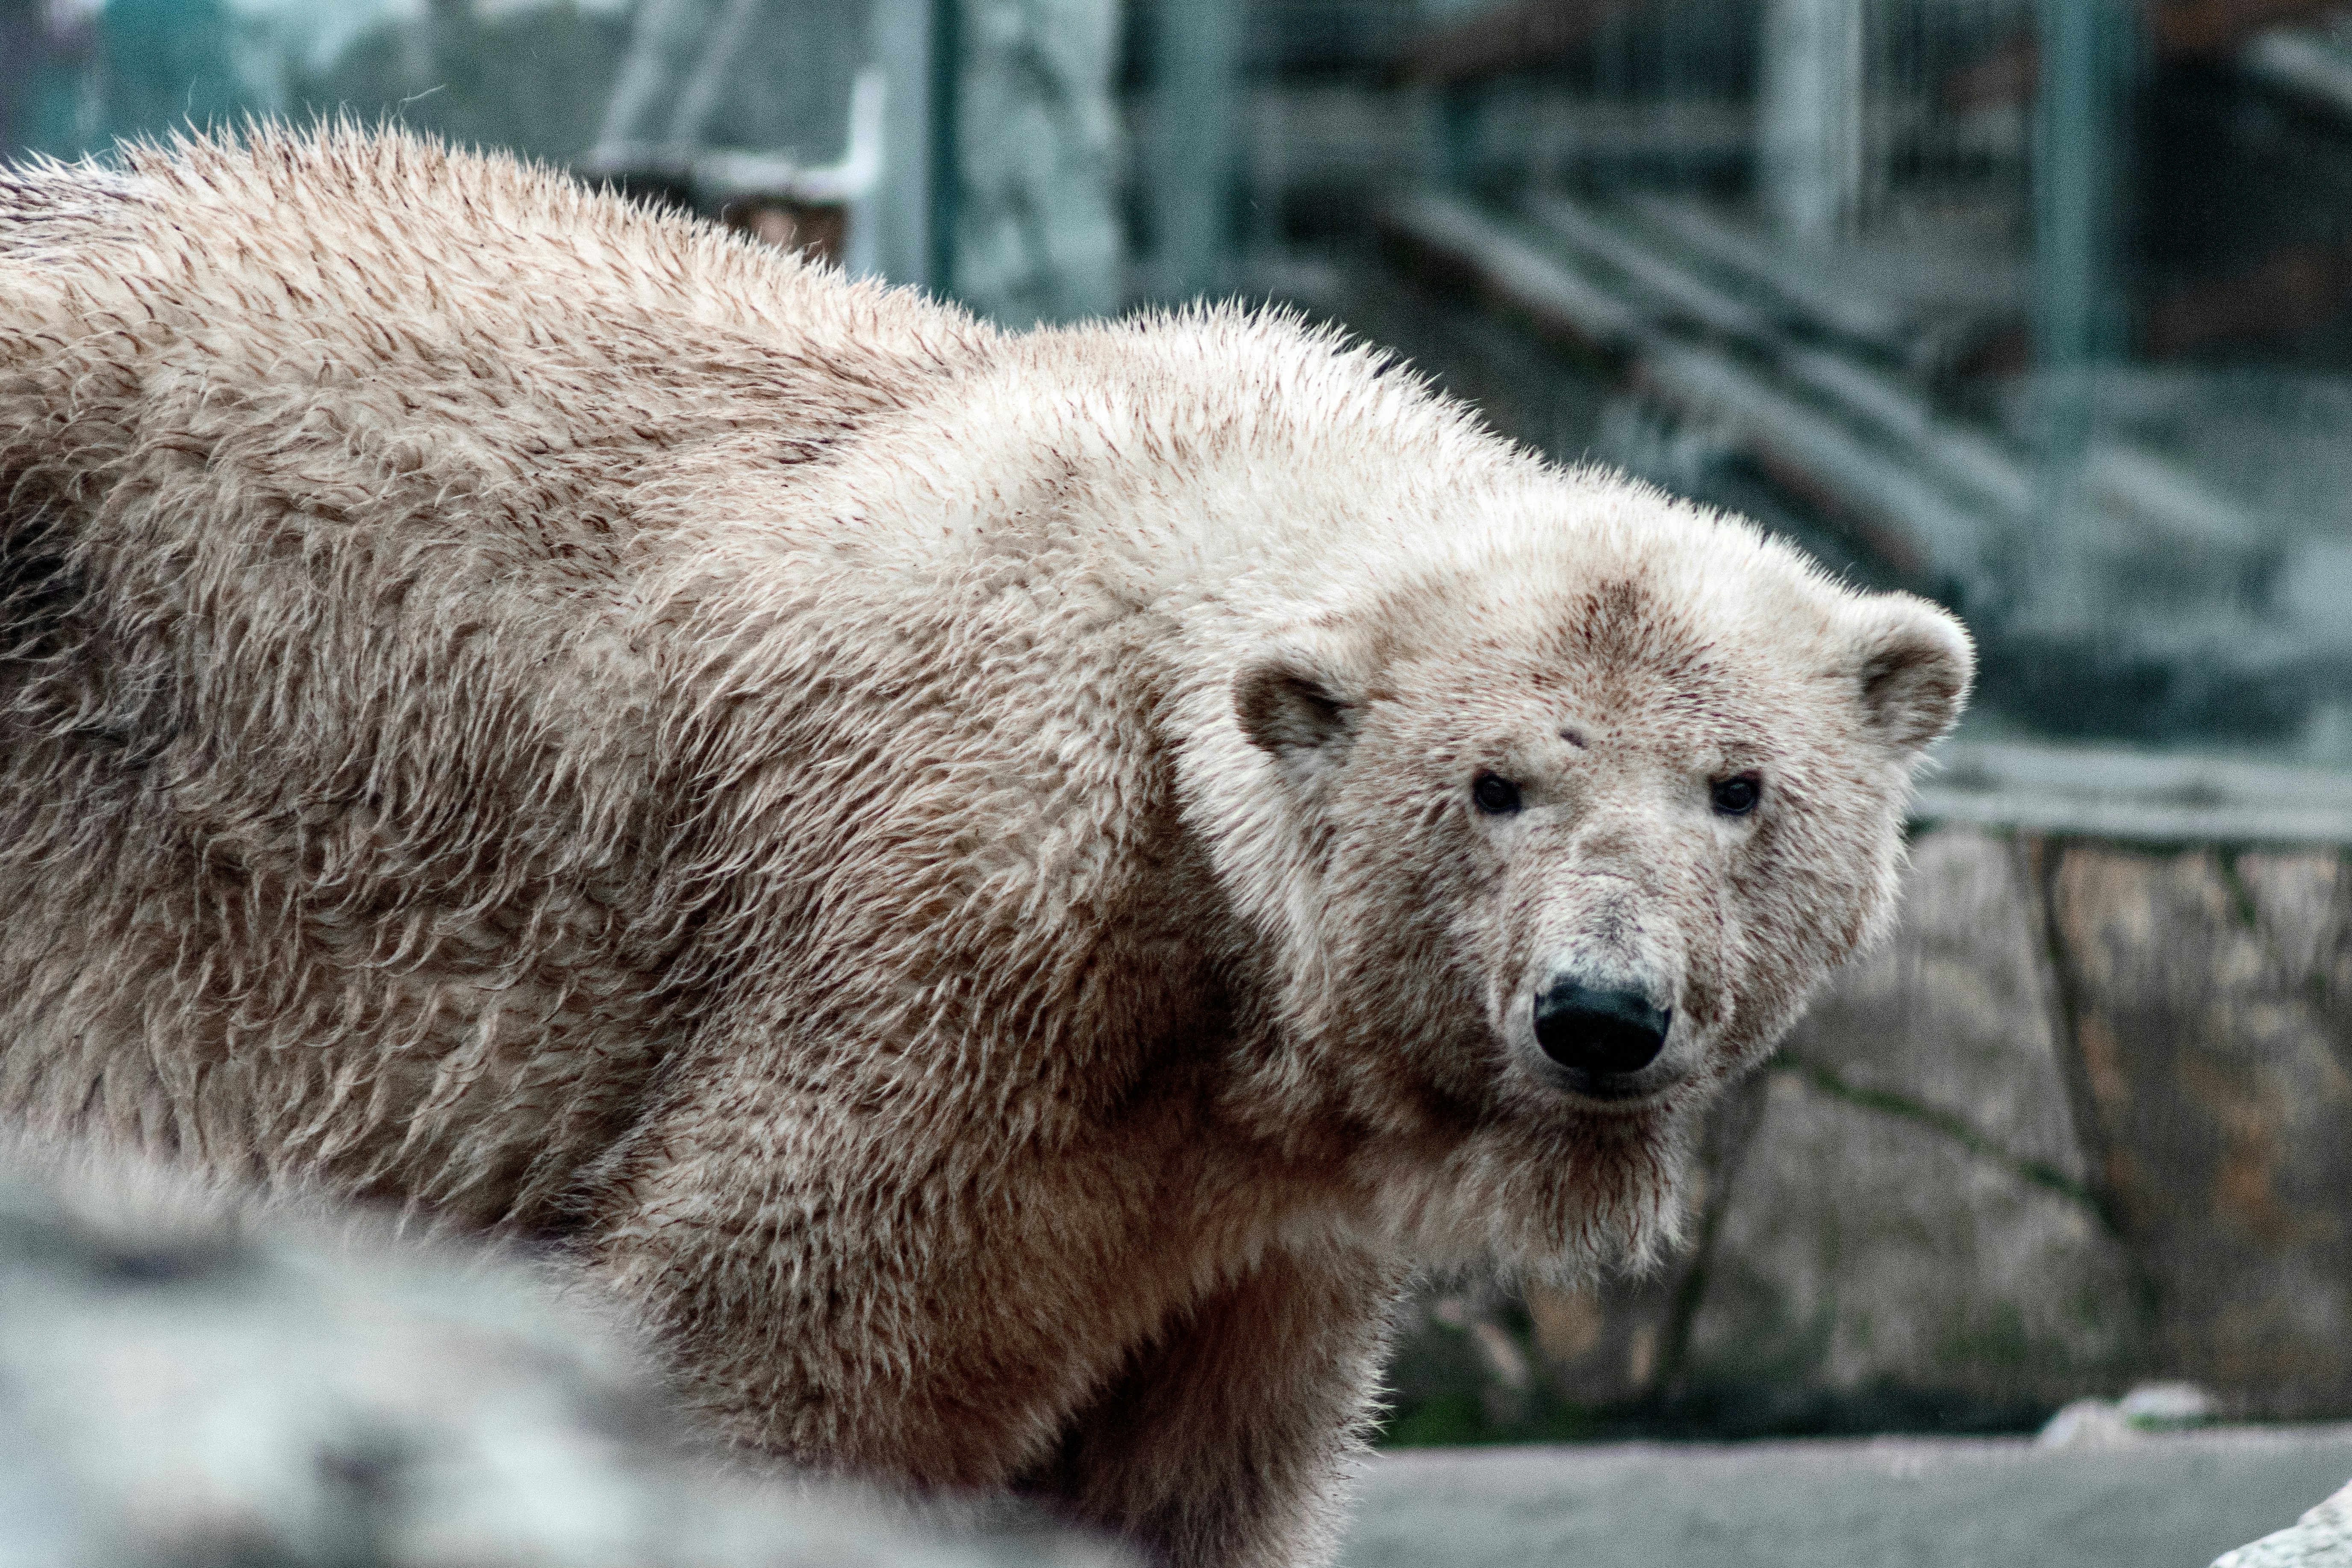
554 716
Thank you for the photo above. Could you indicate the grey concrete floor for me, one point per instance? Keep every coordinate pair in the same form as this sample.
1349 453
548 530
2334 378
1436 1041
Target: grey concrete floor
2176 1501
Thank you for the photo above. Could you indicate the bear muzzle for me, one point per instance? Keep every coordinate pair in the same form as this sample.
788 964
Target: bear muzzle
1601 1038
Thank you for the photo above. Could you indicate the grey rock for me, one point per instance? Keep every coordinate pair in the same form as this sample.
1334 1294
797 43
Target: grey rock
1861 1248
1959 1013
2167 1407
181 1385
2320 1538
2152 1408
2210 996
2086 1423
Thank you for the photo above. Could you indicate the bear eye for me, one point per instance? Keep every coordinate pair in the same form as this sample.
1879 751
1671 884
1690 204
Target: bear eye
1495 796
1737 796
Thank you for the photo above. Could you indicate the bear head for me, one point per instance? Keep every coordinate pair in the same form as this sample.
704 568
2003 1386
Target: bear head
1555 823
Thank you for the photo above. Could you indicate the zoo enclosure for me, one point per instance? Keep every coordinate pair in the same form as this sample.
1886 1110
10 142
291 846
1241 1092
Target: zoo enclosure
2041 308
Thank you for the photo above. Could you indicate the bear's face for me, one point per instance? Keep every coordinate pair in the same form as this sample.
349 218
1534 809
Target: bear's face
1584 822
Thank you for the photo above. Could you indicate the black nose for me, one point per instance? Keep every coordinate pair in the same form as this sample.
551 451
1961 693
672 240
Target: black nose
1600 1035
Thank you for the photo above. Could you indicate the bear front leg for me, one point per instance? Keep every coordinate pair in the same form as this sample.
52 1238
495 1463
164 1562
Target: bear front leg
1224 1444
816 1299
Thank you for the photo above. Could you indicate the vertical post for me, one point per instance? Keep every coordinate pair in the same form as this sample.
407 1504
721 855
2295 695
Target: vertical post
2087 52
1461 134
947 152
1809 110
905 45
1197 47
868 106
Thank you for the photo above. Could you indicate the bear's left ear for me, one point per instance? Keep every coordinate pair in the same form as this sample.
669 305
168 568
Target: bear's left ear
1294 701
1916 665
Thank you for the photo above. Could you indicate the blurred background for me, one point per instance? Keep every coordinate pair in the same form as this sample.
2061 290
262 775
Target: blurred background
2043 308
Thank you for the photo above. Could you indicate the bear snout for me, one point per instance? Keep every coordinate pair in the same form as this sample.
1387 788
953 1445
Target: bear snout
1600 1038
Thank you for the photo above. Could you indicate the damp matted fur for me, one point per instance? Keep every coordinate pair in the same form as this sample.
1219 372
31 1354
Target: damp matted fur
937 863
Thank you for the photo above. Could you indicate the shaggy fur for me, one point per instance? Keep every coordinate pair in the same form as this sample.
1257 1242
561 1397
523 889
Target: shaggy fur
939 865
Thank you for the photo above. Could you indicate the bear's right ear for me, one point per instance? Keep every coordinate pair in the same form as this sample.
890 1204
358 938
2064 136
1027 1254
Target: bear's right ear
1293 704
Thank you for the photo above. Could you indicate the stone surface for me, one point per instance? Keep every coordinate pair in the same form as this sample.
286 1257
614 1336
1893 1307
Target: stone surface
1914 1211
1862 1248
2208 1006
2173 1501
2320 1538
1038 233
181 1387
1958 1015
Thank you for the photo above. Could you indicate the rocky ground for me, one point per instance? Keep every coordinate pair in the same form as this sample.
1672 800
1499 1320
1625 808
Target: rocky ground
2178 1500
184 1385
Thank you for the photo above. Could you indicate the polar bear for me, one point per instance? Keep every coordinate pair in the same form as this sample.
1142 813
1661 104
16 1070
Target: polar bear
993 893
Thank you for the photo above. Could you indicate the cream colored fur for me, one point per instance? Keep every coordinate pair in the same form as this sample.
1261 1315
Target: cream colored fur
939 865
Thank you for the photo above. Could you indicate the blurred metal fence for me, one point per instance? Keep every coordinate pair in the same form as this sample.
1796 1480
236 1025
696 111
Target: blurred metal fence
1930 266
2044 306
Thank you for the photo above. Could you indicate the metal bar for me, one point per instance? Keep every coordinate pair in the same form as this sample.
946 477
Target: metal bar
902 207
1198 46
1523 275
1809 104
2077 167
946 148
1680 293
